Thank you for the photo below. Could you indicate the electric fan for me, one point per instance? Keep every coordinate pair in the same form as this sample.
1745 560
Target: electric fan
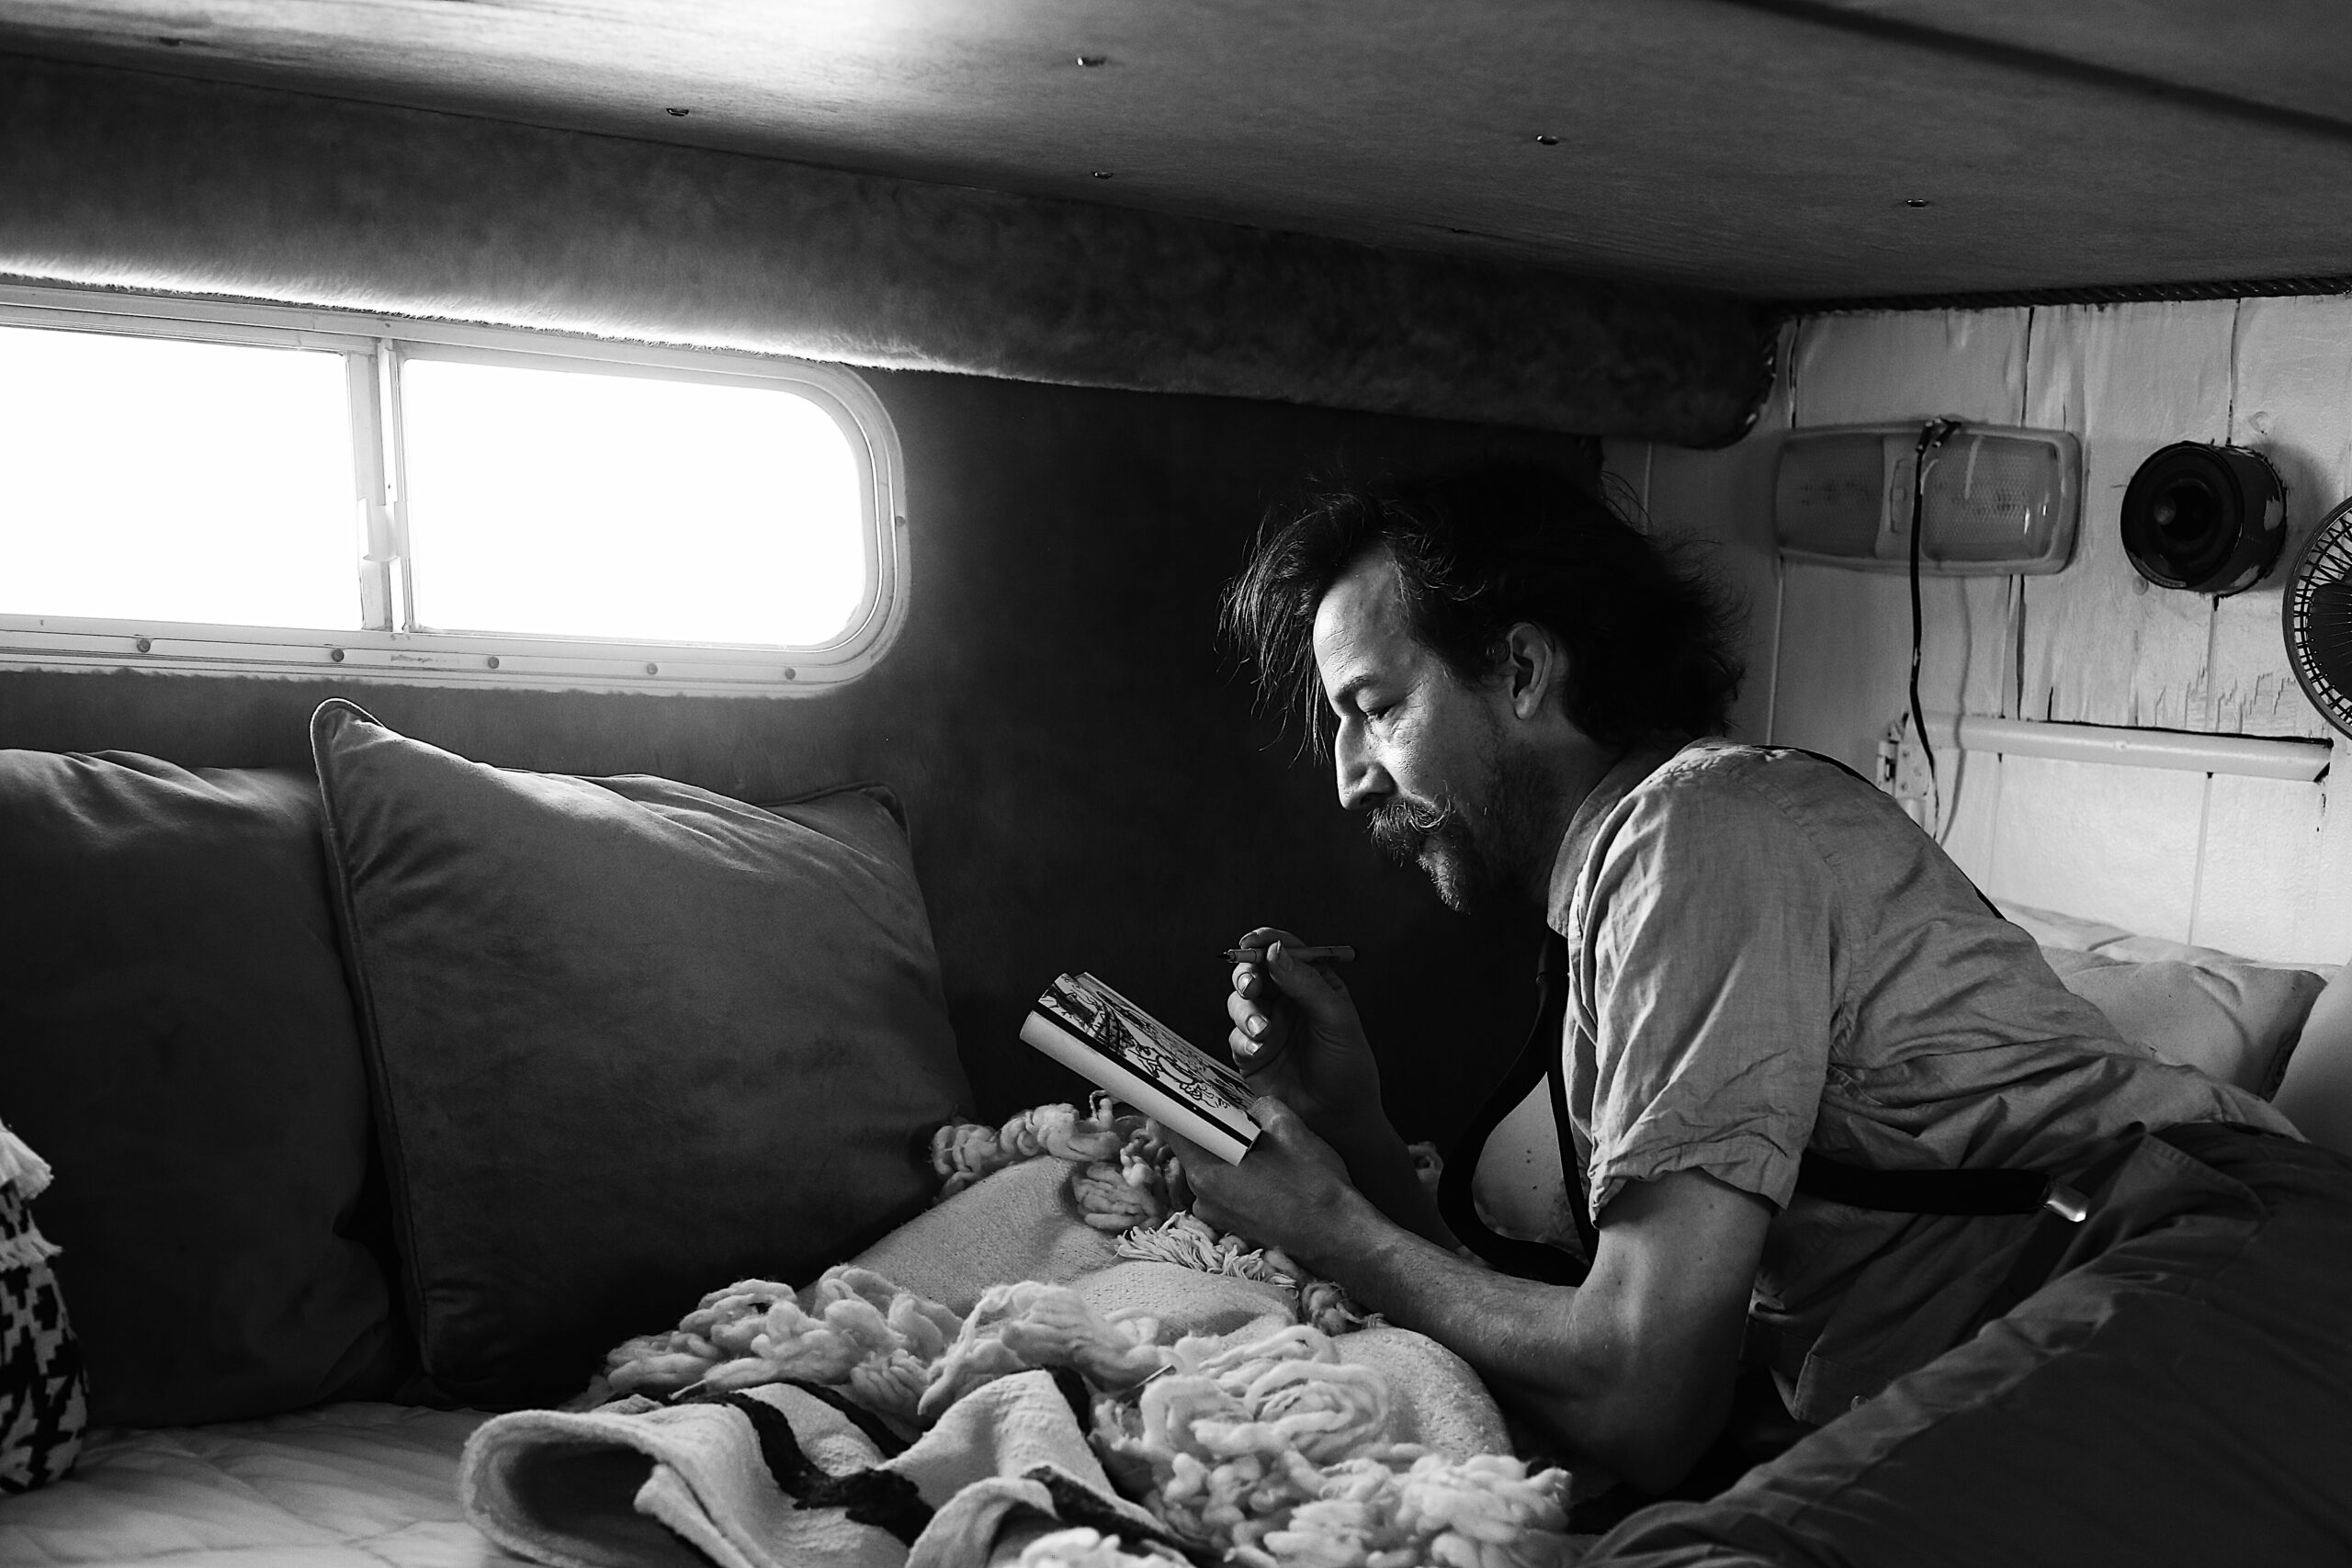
2317 615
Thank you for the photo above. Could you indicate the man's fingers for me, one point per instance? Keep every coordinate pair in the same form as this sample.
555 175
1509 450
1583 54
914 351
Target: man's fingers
1185 1148
1256 1035
1311 986
1191 1157
1258 941
1250 979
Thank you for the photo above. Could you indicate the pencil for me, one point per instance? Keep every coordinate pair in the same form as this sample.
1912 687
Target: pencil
1304 954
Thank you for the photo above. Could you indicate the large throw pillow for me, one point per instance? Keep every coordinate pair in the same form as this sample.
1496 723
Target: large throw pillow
2072 933
2235 1021
177 1039
631 1040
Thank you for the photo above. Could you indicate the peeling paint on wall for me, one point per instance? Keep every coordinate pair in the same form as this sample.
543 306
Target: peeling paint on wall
2258 867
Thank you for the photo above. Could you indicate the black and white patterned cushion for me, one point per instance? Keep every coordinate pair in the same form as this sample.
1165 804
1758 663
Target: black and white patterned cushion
42 1401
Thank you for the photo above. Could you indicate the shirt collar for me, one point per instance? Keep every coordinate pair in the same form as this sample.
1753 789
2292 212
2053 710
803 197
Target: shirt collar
1624 776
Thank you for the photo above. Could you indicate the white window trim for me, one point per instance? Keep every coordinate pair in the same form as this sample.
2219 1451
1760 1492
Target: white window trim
385 652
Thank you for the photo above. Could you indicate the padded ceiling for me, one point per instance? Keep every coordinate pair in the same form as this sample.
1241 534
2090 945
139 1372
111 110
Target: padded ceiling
1772 148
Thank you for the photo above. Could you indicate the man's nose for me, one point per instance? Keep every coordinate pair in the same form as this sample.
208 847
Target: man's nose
1364 782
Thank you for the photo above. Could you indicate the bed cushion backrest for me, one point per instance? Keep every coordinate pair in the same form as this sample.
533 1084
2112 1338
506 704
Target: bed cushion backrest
630 1041
2236 1018
179 1045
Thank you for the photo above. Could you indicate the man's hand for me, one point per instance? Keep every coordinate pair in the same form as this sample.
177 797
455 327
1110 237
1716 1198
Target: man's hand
1296 1035
1290 1190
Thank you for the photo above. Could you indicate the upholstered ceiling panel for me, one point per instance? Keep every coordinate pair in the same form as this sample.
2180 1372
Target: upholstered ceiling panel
144 181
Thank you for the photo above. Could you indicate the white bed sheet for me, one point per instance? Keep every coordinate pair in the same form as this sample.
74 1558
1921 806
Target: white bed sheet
351 1485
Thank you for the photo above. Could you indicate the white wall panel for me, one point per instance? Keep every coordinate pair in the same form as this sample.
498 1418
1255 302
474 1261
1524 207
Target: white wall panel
1845 649
2294 406
1971 782
1846 654
1871 366
2101 645
2114 843
2278 867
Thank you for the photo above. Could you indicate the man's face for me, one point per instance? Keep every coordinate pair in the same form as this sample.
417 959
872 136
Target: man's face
1429 757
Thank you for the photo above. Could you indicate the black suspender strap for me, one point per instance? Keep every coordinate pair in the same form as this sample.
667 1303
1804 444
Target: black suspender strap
1553 967
1989 1192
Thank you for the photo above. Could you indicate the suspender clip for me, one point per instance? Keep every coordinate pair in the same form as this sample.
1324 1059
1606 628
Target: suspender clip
2066 1203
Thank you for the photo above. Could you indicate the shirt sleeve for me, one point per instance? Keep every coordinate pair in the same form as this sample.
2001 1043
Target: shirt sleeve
1711 952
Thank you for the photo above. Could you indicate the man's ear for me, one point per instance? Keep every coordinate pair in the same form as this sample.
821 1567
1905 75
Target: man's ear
1534 667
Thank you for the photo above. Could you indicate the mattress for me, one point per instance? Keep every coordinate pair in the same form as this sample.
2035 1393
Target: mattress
342 1486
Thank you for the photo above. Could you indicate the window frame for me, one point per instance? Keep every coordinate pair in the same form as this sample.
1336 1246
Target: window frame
386 648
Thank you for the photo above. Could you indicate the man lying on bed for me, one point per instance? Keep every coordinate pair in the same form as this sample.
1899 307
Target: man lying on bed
1763 954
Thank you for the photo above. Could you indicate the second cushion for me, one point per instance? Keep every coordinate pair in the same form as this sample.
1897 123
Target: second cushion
631 1040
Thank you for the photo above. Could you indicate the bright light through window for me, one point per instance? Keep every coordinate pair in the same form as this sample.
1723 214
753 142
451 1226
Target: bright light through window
251 490
146 478
572 503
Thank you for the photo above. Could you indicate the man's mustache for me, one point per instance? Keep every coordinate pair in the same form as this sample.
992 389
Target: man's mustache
1400 827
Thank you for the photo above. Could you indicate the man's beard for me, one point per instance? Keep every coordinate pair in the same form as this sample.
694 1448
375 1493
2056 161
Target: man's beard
1473 848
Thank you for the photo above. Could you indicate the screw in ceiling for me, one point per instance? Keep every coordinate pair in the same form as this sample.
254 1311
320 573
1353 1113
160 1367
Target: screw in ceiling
1545 138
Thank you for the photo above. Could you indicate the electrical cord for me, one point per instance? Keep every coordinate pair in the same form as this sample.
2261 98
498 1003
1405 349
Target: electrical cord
1933 433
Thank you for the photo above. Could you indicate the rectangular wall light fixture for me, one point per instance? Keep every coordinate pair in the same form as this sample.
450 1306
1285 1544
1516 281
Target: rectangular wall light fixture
1997 500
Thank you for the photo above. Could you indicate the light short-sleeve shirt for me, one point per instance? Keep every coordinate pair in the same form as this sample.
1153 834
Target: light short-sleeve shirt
1766 954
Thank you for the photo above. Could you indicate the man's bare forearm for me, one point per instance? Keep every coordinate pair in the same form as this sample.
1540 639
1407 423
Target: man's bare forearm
1508 1327
1583 1382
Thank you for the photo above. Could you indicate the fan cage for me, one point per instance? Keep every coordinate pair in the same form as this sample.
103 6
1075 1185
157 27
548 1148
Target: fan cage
2317 612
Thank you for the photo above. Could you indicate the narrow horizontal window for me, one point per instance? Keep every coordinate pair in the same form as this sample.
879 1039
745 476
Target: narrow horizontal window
174 481
570 504
253 489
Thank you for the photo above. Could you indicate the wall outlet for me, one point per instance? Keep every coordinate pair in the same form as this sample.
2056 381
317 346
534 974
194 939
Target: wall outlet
1903 772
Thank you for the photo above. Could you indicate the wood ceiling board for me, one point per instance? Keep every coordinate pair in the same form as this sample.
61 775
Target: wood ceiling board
2284 54
1702 142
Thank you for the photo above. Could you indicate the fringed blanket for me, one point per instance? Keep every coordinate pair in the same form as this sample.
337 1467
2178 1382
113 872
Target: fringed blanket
992 1384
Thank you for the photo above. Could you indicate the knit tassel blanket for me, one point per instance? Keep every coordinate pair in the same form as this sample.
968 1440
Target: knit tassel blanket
992 1386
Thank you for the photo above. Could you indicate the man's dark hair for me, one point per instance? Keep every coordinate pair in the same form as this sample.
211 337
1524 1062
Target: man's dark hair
1648 636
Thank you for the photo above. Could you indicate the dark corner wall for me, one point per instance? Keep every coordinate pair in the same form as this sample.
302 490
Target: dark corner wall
1087 784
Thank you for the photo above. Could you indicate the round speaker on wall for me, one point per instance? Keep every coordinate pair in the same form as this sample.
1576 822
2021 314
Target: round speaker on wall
2208 519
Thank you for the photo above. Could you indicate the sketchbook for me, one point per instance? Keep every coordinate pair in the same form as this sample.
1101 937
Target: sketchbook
1107 1040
